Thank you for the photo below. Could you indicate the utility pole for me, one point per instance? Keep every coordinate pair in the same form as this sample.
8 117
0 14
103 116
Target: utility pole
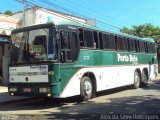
24 7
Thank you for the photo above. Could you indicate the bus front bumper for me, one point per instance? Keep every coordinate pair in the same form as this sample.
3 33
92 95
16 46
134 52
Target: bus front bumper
32 90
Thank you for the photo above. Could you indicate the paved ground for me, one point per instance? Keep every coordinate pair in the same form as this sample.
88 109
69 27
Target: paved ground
5 97
122 101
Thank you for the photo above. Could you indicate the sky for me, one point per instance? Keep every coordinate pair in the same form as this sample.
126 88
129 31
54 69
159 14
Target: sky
109 14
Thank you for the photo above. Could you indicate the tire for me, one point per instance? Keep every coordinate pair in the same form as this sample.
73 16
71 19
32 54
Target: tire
86 88
144 81
136 80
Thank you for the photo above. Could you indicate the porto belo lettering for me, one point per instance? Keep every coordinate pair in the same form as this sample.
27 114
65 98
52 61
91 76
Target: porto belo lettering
127 58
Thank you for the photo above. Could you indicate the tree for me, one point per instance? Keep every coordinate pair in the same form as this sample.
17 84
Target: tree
144 30
8 12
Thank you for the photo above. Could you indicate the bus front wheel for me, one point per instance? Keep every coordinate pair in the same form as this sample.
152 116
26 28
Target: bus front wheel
136 80
86 88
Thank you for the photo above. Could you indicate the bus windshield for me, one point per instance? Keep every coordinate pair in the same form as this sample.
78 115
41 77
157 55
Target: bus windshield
33 46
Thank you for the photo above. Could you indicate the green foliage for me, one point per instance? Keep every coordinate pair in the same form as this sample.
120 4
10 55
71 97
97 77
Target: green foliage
144 30
8 12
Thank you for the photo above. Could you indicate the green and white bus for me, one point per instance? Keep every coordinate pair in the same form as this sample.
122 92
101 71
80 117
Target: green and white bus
68 59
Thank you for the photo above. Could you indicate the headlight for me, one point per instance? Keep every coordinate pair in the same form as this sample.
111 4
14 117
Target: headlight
12 89
50 73
44 90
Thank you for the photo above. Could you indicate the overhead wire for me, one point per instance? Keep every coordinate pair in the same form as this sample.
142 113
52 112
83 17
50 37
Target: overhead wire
99 19
62 16
62 8
109 17
66 17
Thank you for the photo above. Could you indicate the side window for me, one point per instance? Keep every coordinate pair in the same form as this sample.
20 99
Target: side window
137 45
88 39
81 37
75 46
100 40
65 42
125 44
153 47
96 39
66 55
121 43
149 47
106 41
112 41
146 47
142 46
132 46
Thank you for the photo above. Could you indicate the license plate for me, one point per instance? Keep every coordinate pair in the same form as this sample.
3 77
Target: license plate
26 89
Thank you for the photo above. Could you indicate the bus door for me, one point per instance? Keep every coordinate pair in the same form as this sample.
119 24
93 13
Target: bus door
69 54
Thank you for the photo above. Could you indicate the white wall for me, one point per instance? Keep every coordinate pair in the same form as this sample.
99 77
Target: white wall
38 15
42 16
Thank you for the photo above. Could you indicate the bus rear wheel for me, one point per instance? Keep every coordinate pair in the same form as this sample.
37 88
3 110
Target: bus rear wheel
86 88
136 80
144 81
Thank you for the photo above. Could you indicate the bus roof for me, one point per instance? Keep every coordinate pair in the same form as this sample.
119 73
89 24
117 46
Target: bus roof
31 27
104 30
38 26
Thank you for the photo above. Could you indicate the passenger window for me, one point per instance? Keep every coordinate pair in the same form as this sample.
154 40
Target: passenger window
112 42
146 47
142 46
121 43
75 44
154 48
132 46
106 41
137 45
81 38
65 42
100 40
88 39
66 55
96 39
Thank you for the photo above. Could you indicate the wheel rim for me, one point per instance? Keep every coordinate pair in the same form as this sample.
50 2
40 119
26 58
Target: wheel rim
87 88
